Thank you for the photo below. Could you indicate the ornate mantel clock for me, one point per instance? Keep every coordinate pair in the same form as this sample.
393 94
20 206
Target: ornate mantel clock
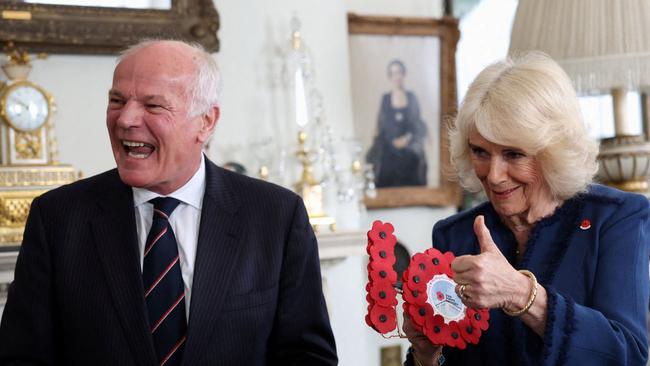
28 161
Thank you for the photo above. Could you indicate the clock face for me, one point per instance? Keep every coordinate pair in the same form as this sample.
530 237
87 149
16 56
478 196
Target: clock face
25 107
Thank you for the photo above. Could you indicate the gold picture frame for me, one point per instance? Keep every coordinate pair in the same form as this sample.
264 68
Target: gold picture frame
104 30
429 47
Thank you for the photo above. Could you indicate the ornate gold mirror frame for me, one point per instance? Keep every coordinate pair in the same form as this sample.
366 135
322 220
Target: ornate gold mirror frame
100 30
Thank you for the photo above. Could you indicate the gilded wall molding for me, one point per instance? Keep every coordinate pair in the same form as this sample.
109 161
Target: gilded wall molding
45 176
102 30
19 185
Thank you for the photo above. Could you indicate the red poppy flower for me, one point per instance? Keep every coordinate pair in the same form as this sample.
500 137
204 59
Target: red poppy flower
382 232
376 269
455 339
382 253
478 317
375 238
420 313
382 271
421 265
441 262
436 330
383 319
416 281
415 297
434 253
383 293
381 243
469 333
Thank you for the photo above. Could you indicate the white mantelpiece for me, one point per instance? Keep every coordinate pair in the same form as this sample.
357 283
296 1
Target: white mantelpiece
333 246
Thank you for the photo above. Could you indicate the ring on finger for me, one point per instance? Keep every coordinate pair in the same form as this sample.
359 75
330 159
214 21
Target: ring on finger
461 291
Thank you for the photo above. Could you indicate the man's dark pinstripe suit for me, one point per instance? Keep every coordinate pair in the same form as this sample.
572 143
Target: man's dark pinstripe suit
77 298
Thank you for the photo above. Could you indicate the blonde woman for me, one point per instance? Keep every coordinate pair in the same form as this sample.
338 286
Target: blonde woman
561 263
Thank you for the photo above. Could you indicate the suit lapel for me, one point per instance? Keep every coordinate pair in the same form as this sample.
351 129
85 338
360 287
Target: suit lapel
216 255
116 242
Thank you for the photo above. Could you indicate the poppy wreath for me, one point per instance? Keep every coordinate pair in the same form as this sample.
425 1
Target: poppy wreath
382 296
424 270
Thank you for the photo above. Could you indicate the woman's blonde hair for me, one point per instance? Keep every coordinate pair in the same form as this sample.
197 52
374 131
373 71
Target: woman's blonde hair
527 102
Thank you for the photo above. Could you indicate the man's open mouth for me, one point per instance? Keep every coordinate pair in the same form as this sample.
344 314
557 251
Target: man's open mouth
138 149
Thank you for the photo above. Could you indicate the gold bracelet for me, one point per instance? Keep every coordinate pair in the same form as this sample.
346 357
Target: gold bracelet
531 297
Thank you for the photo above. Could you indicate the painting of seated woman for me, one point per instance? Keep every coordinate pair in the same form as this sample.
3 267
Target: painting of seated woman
403 78
397 153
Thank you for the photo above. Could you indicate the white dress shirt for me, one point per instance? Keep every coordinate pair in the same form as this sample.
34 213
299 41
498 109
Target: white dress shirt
184 220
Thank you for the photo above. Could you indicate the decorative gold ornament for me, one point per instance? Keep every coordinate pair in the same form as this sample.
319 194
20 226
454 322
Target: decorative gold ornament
310 189
25 114
20 177
19 185
28 152
14 207
16 56
28 145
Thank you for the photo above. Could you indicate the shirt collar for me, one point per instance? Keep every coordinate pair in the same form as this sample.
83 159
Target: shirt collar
191 193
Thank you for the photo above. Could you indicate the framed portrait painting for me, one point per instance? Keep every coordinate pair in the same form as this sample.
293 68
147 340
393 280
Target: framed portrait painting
404 95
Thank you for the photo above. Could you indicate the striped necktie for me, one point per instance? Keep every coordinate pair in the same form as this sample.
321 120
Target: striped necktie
163 285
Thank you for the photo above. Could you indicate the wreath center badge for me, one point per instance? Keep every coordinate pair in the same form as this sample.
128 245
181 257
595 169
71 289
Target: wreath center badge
428 290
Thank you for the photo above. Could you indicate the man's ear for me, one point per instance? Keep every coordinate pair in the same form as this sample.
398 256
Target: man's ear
209 121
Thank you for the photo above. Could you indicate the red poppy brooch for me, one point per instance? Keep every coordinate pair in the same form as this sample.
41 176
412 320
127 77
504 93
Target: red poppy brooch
428 290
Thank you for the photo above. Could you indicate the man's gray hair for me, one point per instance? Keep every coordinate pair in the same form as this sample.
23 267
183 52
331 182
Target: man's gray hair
205 90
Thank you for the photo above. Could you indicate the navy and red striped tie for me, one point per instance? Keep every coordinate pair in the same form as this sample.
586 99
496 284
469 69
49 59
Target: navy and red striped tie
163 285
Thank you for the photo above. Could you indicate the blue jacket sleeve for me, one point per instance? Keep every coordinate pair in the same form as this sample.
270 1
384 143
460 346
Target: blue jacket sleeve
610 328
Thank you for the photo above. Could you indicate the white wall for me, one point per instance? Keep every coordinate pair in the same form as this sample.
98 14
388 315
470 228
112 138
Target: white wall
252 34
485 38
250 38
80 86
404 8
